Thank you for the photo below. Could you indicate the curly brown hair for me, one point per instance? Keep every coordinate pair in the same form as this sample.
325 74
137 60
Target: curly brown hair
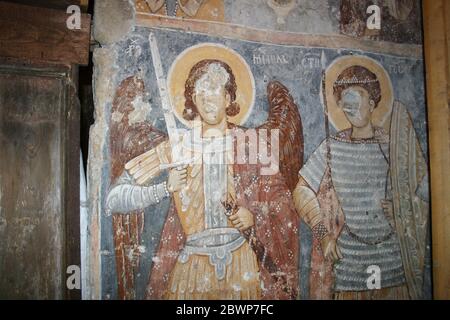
190 111
373 88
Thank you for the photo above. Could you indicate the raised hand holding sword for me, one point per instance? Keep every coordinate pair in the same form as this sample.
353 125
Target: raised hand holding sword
240 217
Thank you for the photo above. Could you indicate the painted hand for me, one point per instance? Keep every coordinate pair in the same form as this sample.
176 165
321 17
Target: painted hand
242 219
177 179
330 249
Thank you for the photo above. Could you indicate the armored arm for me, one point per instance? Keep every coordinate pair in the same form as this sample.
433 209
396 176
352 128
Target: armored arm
134 190
127 196
308 208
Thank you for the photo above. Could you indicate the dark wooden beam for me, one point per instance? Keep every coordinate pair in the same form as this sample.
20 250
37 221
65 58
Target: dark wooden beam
41 34
53 4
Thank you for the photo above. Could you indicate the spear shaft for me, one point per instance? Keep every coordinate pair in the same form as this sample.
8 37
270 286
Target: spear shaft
325 107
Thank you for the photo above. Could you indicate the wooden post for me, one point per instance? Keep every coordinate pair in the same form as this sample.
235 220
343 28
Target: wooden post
436 31
39 149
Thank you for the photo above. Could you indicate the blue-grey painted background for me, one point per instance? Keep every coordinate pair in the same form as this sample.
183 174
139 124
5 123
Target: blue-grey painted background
134 58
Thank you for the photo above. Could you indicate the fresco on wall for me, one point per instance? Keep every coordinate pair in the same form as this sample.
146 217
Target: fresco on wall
211 10
238 169
399 20
220 238
315 16
364 190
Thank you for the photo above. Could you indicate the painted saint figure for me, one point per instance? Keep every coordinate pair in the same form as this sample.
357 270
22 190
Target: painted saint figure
230 233
364 192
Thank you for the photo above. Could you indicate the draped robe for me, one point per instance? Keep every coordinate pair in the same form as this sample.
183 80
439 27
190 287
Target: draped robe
247 277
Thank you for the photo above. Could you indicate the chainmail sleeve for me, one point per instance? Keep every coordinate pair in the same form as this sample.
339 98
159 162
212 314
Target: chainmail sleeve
126 195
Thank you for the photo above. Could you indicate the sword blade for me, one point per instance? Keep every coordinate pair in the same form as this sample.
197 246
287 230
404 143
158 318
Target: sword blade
166 103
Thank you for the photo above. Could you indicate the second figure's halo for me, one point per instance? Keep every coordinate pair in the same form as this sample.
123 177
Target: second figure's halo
381 115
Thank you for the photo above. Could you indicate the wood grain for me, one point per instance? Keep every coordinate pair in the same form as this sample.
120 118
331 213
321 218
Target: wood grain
436 13
52 4
39 33
32 238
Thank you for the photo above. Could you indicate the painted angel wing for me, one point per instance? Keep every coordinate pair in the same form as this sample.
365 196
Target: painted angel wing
284 115
128 139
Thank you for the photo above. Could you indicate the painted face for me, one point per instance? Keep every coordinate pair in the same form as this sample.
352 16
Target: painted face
210 95
357 106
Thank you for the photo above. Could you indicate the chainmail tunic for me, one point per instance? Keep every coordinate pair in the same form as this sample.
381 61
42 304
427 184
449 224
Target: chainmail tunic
360 178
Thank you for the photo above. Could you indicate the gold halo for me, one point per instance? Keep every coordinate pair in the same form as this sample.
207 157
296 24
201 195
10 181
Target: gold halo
381 114
179 72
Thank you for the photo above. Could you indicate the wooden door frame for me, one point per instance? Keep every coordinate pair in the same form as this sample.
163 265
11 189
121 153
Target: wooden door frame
69 155
436 19
53 51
